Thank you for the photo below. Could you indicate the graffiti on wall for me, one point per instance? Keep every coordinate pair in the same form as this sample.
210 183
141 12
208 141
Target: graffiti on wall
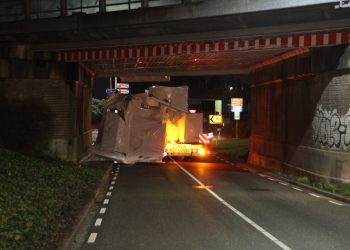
330 129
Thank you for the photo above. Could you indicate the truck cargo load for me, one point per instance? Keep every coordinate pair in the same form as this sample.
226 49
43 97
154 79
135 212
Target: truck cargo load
146 127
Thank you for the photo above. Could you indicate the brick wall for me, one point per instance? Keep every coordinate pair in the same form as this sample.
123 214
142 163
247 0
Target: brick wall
44 101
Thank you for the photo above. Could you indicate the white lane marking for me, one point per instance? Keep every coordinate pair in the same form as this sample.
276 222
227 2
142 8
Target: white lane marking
315 195
113 182
298 189
98 222
109 193
106 201
262 175
103 210
92 238
336 203
116 174
240 214
114 178
271 179
283 183
111 188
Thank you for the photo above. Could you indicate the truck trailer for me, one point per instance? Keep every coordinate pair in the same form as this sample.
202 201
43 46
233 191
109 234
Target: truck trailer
147 127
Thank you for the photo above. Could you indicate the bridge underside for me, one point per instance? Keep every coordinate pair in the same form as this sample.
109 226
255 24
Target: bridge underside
198 58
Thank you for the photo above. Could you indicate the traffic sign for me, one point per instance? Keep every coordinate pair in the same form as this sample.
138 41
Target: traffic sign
121 85
236 101
236 105
123 91
237 115
109 91
215 119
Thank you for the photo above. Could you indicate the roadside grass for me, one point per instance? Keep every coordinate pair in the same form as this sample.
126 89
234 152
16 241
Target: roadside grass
235 149
39 199
333 187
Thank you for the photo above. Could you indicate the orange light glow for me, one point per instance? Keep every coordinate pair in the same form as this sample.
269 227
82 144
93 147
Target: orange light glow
201 152
203 187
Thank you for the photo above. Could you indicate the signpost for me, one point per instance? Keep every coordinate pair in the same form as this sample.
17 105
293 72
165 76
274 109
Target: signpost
237 108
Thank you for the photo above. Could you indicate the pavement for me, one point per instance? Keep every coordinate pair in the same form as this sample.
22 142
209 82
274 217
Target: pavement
215 204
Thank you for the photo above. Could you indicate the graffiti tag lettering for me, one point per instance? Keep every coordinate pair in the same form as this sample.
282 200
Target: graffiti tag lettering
330 129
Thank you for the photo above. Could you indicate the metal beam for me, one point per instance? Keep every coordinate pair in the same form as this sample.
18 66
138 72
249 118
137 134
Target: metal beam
63 7
28 9
102 6
144 4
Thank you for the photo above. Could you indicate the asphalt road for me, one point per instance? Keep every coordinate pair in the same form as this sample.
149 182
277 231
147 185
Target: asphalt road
158 206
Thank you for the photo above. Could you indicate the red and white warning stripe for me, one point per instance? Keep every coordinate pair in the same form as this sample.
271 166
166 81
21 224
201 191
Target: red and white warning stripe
203 138
200 47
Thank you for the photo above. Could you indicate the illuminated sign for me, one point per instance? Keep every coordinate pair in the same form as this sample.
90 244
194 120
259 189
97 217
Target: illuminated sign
121 85
215 119
236 105
123 91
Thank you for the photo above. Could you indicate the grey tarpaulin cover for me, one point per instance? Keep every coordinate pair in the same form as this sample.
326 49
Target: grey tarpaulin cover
133 127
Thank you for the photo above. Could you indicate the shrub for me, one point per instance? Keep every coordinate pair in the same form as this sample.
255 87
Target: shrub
38 198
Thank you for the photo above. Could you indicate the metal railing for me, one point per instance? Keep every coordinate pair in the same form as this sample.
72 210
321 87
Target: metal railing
16 10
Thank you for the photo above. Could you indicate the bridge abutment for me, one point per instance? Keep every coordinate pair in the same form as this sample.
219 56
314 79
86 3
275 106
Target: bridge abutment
301 114
45 105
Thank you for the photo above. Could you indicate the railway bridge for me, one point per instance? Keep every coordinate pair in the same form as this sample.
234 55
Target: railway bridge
295 55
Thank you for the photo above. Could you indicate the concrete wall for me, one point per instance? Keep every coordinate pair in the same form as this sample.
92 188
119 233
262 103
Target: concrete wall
43 108
301 114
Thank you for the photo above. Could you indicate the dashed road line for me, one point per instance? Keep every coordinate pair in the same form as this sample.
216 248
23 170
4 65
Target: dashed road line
109 194
106 201
113 182
92 238
336 203
283 183
98 222
271 179
103 210
298 189
314 195
114 178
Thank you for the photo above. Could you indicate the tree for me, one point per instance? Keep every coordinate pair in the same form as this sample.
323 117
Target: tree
97 109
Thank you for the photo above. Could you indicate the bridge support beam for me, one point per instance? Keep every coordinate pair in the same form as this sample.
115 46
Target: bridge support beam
301 114
144 3
63 7
102 6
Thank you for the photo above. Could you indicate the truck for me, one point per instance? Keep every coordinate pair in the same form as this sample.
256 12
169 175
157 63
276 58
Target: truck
149 126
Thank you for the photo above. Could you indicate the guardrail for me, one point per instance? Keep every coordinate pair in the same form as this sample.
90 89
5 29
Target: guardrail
16 10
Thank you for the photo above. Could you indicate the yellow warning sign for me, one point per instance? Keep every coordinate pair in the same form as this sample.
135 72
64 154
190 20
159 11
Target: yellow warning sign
215 119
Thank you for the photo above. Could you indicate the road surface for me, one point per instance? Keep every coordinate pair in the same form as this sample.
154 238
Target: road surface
213 205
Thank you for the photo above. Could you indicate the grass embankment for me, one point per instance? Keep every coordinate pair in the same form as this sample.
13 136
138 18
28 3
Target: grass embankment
329 186
235 149
39 198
